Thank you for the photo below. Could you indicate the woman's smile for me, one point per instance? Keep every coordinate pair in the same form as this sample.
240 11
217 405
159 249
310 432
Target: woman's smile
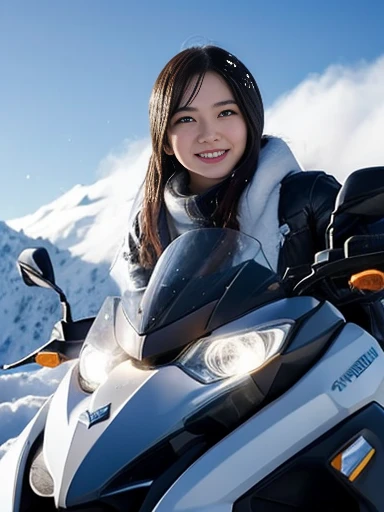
213 157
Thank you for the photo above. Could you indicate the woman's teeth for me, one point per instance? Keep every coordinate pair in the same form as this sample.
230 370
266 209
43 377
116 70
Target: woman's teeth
212 155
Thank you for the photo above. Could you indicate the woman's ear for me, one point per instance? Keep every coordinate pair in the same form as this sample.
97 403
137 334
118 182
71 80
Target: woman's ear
168 150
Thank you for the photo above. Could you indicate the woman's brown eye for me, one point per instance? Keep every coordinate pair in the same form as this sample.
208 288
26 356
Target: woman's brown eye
186 119
227 113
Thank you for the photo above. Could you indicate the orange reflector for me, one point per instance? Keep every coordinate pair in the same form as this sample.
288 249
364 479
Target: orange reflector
336 463
352 460
362 465
49 359
371 280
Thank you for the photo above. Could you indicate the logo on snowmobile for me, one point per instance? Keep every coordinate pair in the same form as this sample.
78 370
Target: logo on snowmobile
355 370
91 418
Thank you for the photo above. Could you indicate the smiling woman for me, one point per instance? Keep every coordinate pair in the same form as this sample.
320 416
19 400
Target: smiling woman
211 166
210 141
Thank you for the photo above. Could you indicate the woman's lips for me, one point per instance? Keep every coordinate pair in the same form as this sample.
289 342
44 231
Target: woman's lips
213 160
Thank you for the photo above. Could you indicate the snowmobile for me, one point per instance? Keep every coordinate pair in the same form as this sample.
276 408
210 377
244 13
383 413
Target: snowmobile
219 386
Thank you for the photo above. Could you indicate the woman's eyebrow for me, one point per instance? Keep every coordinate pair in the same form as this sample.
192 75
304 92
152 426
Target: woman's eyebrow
193 109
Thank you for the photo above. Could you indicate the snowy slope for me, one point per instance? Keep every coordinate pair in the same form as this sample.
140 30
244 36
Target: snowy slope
90 220
27 313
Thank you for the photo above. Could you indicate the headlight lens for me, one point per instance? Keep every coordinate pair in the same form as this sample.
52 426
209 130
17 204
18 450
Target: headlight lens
95 365
101 352
210 360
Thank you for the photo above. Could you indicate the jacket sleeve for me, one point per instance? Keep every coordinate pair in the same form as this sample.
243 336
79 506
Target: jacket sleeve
322 200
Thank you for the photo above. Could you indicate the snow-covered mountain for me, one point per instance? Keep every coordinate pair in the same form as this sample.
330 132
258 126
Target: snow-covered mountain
90 220
82 230
27 313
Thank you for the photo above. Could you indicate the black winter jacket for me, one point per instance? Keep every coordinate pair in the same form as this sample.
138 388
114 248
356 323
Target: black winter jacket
306 202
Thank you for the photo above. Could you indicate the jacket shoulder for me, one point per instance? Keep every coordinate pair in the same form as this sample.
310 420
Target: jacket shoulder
304 190
306 180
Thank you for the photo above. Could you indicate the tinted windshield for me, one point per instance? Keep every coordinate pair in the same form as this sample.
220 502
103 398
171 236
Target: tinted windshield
195 269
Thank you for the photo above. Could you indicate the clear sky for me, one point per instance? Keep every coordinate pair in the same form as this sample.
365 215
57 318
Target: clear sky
76 75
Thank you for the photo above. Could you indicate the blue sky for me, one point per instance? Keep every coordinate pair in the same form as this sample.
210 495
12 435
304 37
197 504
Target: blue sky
76 75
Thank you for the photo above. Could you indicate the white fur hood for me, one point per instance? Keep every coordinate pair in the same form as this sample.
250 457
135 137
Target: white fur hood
258 206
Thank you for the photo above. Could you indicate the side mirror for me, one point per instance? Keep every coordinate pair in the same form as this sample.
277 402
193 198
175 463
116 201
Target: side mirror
36 269
360 200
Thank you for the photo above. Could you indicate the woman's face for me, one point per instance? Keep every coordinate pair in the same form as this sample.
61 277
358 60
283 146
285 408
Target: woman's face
209 136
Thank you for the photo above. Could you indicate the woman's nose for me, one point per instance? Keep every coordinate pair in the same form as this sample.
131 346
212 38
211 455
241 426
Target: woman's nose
208 134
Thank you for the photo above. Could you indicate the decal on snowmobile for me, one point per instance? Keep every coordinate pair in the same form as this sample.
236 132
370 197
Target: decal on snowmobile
354 371
91 418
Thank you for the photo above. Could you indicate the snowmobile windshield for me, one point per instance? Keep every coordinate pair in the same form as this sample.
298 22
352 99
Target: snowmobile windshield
194 270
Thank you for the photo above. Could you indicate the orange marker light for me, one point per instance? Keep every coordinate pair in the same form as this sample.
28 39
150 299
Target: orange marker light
353 459
370 280
50 359
337 462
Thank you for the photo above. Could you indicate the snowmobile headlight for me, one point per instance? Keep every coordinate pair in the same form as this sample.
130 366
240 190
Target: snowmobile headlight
95 365
101 352
210 360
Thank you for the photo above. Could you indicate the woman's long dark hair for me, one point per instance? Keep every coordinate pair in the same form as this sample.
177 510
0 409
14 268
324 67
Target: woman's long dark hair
180 72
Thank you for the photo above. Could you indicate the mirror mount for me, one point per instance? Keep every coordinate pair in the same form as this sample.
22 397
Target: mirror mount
66 310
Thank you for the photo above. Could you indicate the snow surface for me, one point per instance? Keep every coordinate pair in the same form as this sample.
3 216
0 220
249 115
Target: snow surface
332 121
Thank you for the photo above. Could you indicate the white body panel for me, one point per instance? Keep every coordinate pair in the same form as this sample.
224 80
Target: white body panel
280 430
72 450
